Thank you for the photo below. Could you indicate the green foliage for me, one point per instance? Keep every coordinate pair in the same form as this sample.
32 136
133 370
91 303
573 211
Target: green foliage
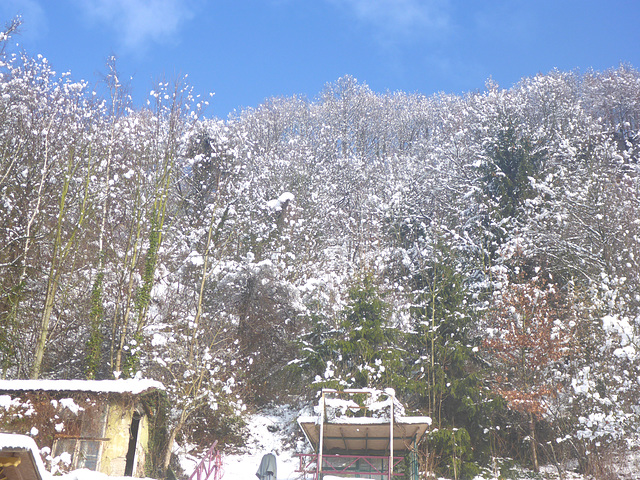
511 470
94 344
445 377
314 351
143 295
454 449
512 158
362 351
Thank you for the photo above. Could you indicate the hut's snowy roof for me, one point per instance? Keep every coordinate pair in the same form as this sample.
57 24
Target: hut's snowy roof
30 466
132 386
347 434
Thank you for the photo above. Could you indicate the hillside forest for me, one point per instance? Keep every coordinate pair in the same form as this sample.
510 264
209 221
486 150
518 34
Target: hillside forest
478 253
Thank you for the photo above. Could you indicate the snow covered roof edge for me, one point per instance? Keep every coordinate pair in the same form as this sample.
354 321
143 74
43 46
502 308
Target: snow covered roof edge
401 420
132 386
12 441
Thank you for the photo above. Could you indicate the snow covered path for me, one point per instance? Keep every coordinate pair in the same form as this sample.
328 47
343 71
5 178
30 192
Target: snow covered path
271 430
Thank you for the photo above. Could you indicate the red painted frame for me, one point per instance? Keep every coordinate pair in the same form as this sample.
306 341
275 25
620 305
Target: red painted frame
308 465
210 464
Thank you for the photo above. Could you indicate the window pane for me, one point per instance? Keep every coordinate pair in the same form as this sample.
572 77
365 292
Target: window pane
88 453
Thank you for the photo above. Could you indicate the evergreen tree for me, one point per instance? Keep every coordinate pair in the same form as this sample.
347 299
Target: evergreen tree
362 351
512 158
445 377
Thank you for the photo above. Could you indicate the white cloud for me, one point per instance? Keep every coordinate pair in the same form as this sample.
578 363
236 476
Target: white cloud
396 20
140 22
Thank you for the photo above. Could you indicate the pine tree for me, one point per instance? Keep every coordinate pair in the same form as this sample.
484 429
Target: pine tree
363 350
444 375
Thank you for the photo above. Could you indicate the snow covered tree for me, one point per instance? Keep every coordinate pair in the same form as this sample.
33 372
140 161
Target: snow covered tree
168 124
96 314
267 310
512 159
363 350
445 378
60 250
189 341
530 334
45 169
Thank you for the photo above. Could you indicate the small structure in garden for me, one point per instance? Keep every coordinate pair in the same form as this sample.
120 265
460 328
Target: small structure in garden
19 458
101 425
362 433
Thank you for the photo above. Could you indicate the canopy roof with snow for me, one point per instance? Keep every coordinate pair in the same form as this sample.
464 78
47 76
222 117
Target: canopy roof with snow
344 426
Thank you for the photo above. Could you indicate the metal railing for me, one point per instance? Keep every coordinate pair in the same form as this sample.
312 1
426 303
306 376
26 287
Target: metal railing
352 465
210 467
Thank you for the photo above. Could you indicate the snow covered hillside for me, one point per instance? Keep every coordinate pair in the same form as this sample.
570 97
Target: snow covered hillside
272 430
478 253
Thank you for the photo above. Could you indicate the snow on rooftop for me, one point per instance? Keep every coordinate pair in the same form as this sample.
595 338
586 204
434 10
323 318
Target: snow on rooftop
372 403
402 420
133 386
12 441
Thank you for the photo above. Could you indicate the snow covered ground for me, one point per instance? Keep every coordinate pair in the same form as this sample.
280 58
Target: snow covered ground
269 431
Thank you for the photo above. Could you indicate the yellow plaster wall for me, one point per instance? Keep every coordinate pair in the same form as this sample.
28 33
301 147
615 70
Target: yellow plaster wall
114 452
142 447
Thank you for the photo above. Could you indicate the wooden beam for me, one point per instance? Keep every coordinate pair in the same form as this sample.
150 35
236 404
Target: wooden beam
391 437
318 475
79 437
10 461
385 438
344 440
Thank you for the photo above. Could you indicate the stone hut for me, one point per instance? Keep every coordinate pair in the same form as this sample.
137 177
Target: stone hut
101 425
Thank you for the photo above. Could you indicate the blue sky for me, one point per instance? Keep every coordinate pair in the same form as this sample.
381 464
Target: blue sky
246 51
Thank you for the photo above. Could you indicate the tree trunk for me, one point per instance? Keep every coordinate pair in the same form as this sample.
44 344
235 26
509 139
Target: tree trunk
59 255
52 286
534 449
172 437
130 266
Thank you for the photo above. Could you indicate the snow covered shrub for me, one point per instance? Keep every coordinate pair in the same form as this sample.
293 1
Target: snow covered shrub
48 420
221 421
33 414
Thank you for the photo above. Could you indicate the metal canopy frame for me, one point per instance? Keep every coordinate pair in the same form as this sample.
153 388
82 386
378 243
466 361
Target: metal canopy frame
360 439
